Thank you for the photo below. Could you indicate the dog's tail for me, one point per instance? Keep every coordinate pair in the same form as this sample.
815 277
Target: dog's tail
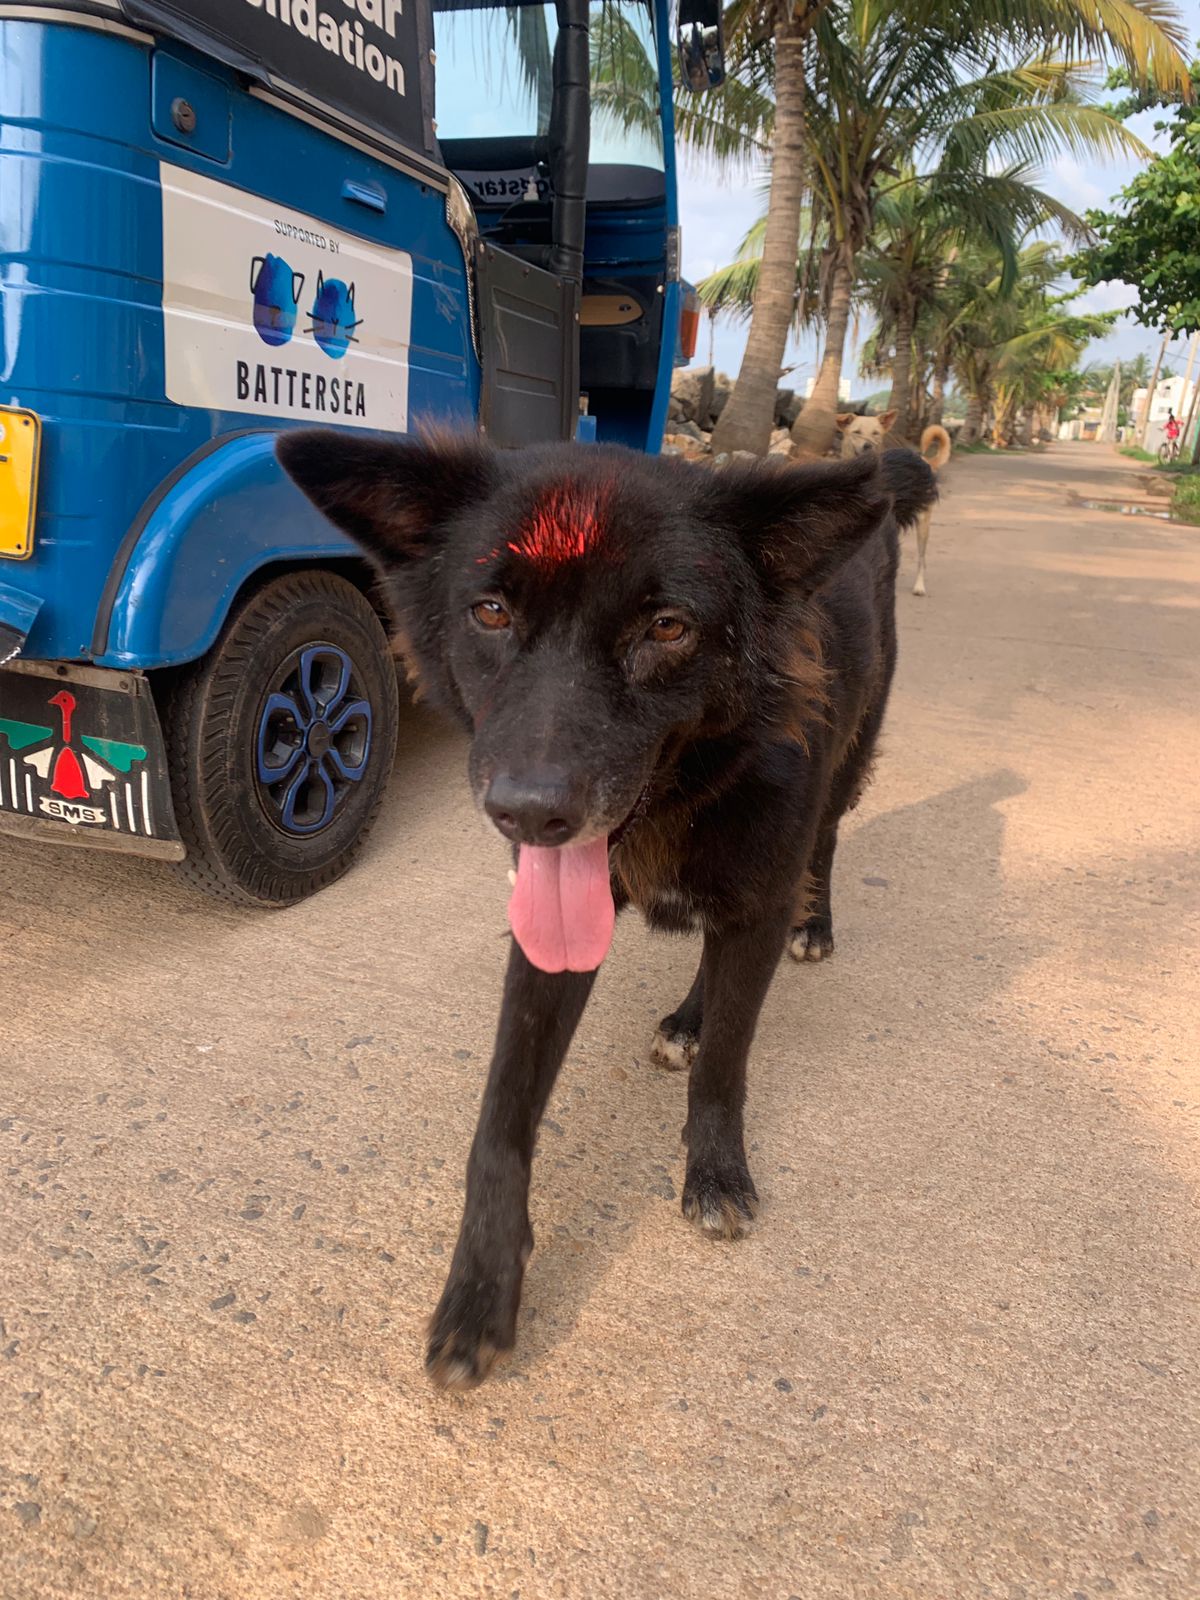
936 446
910 482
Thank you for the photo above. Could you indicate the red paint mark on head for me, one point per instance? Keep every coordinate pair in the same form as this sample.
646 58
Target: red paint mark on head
563 525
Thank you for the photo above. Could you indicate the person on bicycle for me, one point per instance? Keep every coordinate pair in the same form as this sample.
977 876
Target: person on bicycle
1172 429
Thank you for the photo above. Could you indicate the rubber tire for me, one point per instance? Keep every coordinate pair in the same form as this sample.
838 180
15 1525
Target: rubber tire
234 851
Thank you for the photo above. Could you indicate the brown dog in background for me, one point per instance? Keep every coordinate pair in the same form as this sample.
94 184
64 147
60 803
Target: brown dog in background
860 434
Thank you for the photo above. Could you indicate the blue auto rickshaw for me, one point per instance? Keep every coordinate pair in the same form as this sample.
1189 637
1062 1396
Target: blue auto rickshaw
223 218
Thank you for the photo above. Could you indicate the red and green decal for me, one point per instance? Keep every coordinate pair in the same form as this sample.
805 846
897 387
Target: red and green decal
81 775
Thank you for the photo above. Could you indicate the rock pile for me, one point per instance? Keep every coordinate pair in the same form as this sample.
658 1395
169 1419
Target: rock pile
698 396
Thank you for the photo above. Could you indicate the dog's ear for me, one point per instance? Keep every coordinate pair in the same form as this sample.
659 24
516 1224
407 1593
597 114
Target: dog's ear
844 419
390 496
886 418
798 524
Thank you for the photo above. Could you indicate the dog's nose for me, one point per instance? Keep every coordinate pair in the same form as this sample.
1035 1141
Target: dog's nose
534 808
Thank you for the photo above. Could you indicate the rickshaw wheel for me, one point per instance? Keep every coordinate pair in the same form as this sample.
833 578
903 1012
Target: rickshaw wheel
280 741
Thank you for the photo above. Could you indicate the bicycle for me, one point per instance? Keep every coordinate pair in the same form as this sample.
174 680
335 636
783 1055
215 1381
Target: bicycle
1168 451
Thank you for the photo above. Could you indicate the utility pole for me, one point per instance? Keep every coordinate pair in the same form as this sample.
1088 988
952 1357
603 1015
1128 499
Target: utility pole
1162 350
1112 405
1187 376
1191 404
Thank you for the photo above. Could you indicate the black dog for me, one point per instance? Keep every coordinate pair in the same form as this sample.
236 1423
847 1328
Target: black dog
674 680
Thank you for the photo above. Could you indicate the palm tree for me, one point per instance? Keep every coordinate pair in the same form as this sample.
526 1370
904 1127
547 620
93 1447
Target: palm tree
1023 112
731 291
921 226
624 77
767 41
1031 367
1135 375
1007 347
859 87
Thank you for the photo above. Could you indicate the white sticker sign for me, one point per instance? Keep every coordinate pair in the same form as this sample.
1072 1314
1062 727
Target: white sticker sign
270 312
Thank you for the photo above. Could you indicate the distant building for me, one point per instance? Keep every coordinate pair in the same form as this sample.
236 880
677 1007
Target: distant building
843 390
1084 426
1170 394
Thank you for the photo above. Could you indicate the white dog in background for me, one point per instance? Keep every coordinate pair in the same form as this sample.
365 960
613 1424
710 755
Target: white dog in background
860 434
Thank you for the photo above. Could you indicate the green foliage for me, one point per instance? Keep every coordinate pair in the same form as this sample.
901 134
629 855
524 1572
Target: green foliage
922 226
920 124
1152 238
1135 374
624 78
1185 502
731 289
732 124
1014 351
941 99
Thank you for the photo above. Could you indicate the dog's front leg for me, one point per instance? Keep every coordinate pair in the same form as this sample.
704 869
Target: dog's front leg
476 1317
718 1191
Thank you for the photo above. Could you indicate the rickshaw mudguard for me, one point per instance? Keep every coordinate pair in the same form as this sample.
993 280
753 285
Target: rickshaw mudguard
227 512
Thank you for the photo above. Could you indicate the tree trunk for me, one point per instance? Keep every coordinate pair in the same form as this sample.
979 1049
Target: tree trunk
813 429
900 399
919 402
1162 350
938 407
1187 431
1002 420
972 426
749 414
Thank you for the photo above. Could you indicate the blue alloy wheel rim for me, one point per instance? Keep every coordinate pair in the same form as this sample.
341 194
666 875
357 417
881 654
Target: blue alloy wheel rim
314 740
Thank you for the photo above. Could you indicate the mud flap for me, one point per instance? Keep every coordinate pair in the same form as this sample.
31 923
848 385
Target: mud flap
82 760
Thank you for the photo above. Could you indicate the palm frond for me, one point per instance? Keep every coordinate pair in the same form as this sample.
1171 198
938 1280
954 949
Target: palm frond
1037 133
532 38
623 75
732 124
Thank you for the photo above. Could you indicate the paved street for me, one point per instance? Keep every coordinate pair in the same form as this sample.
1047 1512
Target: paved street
958 1358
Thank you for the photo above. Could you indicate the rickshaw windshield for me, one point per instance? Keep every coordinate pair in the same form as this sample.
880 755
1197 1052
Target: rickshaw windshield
495 80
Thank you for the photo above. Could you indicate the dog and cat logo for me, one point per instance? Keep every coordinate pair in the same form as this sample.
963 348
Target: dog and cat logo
277 291
82 780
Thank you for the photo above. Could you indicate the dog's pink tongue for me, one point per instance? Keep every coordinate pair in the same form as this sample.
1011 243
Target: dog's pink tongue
561 910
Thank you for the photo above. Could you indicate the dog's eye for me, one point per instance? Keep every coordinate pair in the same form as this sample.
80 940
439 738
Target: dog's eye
666 630
491 614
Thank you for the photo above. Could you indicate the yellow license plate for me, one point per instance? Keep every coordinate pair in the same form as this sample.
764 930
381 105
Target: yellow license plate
20 443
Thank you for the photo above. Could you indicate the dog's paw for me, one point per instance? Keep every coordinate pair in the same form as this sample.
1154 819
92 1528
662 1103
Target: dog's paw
459 1361
674 1048
720 1197
813 941
472 1327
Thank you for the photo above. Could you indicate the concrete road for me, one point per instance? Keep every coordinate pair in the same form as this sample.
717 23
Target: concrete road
959 1356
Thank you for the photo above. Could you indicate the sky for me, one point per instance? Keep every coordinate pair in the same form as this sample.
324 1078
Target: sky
716 211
